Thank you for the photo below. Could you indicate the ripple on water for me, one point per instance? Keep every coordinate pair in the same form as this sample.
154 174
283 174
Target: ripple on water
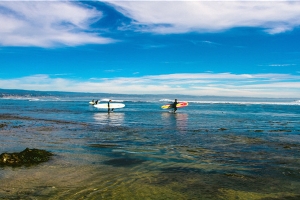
123 162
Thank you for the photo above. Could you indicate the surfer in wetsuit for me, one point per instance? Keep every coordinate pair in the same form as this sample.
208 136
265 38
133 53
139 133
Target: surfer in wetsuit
174 106
108 105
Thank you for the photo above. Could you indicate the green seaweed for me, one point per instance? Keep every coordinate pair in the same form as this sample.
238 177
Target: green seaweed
27 157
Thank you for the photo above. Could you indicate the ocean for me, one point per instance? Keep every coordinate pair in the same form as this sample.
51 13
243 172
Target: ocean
215 148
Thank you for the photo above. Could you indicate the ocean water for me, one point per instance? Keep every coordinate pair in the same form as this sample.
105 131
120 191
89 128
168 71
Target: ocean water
215 148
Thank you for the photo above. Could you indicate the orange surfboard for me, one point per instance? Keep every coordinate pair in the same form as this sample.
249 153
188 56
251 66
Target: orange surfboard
178 105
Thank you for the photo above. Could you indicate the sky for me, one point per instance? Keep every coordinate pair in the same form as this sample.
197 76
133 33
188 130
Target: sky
216 48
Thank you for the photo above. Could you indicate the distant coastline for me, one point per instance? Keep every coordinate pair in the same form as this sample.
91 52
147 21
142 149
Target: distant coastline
15 93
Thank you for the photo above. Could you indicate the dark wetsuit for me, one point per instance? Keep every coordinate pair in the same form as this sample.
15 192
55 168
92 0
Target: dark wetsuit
174 106
108 105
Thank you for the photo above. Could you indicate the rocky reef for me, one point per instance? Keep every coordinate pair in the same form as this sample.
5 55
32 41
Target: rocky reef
27 157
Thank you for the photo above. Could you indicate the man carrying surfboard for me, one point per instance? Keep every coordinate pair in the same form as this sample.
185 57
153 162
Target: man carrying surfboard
108 105
174 106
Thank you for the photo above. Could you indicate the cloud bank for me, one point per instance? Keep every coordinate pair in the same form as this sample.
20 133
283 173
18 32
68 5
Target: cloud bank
165 17
222 84
68 23
48 24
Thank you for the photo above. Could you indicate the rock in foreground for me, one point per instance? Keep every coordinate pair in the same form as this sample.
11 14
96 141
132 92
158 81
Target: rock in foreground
27 157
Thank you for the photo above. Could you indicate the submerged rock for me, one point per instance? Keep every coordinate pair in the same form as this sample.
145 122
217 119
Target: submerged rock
27 157
3 125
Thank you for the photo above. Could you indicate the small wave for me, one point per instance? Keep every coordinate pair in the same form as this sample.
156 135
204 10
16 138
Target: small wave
34 99
113 100
20 98
167 100
48 99
245 103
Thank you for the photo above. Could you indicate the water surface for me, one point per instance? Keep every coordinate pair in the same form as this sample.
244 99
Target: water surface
208 150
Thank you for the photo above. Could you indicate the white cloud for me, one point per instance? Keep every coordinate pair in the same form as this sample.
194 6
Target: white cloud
223 84
281 65
52 23
210 16
47 24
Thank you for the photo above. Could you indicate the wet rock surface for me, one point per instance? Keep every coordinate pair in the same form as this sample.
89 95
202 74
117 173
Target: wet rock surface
27 157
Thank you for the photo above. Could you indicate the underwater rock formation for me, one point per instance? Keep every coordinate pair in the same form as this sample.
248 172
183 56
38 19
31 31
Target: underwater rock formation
27 157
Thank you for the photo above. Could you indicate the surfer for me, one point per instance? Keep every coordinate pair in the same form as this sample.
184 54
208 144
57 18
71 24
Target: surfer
108 105
174 106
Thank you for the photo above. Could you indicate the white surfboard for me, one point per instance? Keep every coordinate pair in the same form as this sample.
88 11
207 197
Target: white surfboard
111 105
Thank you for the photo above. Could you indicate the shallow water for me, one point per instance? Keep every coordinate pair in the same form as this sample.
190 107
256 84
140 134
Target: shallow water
205 151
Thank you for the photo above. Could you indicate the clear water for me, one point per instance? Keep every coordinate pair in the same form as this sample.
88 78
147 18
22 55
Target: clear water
208 150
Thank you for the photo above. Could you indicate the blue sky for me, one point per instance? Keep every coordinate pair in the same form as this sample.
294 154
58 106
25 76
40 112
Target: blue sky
222 48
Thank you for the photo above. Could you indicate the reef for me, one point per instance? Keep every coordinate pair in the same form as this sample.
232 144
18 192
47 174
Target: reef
27 157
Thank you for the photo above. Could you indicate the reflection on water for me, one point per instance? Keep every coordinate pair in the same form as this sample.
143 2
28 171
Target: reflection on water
181 122
110 119
176 121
